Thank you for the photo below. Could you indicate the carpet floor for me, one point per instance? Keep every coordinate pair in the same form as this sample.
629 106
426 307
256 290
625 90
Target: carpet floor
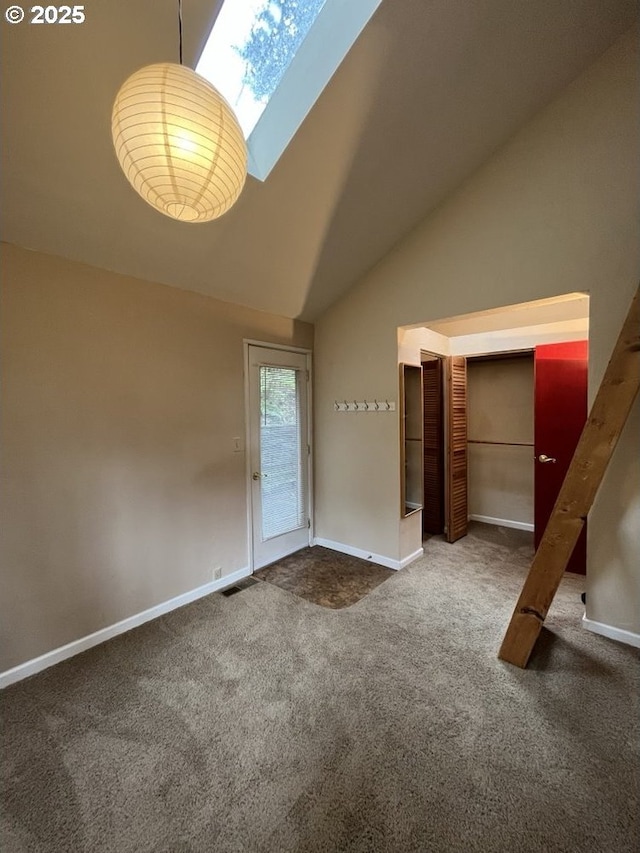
260 723
325 577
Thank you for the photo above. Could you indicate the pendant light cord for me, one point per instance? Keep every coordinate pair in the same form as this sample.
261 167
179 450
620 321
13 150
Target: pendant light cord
180 27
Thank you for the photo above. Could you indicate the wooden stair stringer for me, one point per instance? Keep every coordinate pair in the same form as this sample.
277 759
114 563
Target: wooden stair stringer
595 448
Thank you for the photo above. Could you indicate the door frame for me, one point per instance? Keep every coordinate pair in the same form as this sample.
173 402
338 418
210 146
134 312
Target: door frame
246 343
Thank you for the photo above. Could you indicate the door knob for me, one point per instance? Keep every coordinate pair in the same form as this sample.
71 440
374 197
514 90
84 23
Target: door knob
544 458
258 476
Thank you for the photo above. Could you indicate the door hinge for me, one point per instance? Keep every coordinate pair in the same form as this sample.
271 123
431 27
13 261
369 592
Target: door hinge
308 450
309 523
307 375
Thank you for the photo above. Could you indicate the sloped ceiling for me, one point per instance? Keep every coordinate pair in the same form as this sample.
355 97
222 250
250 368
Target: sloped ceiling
429 91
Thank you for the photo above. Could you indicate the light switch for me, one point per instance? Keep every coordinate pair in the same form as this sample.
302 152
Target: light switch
238 445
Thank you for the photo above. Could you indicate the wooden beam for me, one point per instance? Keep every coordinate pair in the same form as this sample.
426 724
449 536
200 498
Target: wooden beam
599 437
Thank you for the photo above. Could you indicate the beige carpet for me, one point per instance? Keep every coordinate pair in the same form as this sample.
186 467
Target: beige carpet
260 723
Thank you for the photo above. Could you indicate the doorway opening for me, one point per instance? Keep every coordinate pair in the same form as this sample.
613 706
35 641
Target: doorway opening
505 399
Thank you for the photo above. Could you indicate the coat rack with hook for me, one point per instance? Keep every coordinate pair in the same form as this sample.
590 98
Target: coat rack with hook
374 405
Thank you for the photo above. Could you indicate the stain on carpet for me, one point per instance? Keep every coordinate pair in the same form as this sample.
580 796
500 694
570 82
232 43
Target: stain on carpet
325 577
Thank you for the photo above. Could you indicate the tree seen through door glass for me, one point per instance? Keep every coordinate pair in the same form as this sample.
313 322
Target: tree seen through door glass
280 451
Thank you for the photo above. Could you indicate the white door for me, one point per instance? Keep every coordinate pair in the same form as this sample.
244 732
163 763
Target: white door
279 452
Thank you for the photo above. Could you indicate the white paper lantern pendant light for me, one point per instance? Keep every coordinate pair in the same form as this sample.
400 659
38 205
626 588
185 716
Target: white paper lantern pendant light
178 141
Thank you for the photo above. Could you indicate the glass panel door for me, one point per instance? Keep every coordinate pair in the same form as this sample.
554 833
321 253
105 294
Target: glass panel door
279 453
282 465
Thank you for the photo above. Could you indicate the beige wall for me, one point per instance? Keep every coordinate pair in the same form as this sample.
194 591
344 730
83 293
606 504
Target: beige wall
500 409
120 400
553 212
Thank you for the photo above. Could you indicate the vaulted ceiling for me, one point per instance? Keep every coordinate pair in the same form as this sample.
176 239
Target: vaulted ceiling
430 89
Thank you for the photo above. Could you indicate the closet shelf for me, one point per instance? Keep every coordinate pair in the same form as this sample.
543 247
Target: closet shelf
502 443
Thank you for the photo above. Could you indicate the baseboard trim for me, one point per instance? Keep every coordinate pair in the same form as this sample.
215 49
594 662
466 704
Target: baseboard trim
31 667
612 633
502 522
411 558
379 559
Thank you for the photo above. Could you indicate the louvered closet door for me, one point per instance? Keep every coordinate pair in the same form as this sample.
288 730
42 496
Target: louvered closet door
279 453
433 433
457 512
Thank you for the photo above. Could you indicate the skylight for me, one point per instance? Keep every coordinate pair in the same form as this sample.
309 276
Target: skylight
249 49
271 59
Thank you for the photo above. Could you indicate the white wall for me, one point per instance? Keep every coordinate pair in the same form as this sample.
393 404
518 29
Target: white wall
553 212
411 342
511 340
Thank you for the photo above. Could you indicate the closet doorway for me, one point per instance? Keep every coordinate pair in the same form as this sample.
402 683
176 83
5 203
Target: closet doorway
501 439
499 433
547 338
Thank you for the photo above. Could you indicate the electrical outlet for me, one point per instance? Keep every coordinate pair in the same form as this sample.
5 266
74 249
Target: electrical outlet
216 573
